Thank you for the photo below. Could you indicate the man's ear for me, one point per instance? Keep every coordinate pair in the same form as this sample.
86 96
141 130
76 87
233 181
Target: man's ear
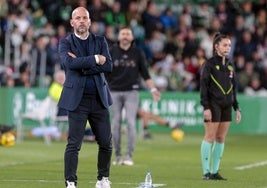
216 47
71 23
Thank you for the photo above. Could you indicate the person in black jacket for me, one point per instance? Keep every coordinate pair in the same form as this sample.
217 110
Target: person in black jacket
129 64
218 96
86 96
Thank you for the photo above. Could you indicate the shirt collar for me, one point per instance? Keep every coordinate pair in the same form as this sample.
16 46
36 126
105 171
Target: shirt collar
78 36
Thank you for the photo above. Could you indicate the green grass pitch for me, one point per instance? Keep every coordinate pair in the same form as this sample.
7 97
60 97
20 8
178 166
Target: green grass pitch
33 164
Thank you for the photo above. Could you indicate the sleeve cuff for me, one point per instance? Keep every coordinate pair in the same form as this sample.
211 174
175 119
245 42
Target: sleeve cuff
96 59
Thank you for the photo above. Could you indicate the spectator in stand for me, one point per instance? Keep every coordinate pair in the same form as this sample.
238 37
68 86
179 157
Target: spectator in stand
215 24
132 13
151 18
22 21
176 45
255 88
81 3
221 12
45 64
138 31
191 68
16 41
261 15
13 7
3 15
246 45
160 80
198 61
25 52
61 32
29 37
226 12
259 35
248 15
97 9
191 44
258 61
239 63
246 75
24 76
64 12
115 16
7 77
238 28
165 63
175 78
110 35
46 31
156 44
186 15
3 22
52 53
259 5
134 20
203 14
94 28
124 4
169 21
206 43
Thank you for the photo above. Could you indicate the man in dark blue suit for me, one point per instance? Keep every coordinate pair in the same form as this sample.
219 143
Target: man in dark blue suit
85 95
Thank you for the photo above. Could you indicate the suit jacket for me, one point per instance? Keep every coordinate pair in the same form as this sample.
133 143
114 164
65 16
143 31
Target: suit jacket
76 70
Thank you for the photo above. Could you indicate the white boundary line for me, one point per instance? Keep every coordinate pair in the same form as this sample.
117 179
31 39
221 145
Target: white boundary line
252 165
11 164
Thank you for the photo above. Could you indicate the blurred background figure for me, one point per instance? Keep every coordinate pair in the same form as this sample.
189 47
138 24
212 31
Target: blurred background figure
148 117
255 88
55 90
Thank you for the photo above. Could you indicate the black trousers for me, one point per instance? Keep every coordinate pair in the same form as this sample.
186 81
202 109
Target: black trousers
92 110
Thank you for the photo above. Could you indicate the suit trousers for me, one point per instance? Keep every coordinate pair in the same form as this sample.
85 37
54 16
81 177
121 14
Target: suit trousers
91 109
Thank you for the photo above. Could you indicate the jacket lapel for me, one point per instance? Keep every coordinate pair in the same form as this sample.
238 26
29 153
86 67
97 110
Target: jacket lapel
91 44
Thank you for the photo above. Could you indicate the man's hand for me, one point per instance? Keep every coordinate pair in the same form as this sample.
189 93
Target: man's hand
156 95
72 55
102 59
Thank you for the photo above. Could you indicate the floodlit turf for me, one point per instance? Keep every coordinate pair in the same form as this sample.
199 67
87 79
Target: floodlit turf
32 164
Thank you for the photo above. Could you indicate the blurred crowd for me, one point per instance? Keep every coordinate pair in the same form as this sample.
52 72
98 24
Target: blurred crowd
175 37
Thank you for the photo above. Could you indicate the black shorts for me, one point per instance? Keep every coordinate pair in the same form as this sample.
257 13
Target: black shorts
219 113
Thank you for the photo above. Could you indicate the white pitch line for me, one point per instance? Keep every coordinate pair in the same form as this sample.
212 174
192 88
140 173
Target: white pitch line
154 185
253 165
13 180
12 164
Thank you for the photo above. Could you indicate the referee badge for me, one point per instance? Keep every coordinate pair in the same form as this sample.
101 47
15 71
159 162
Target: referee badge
231 69
231 74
